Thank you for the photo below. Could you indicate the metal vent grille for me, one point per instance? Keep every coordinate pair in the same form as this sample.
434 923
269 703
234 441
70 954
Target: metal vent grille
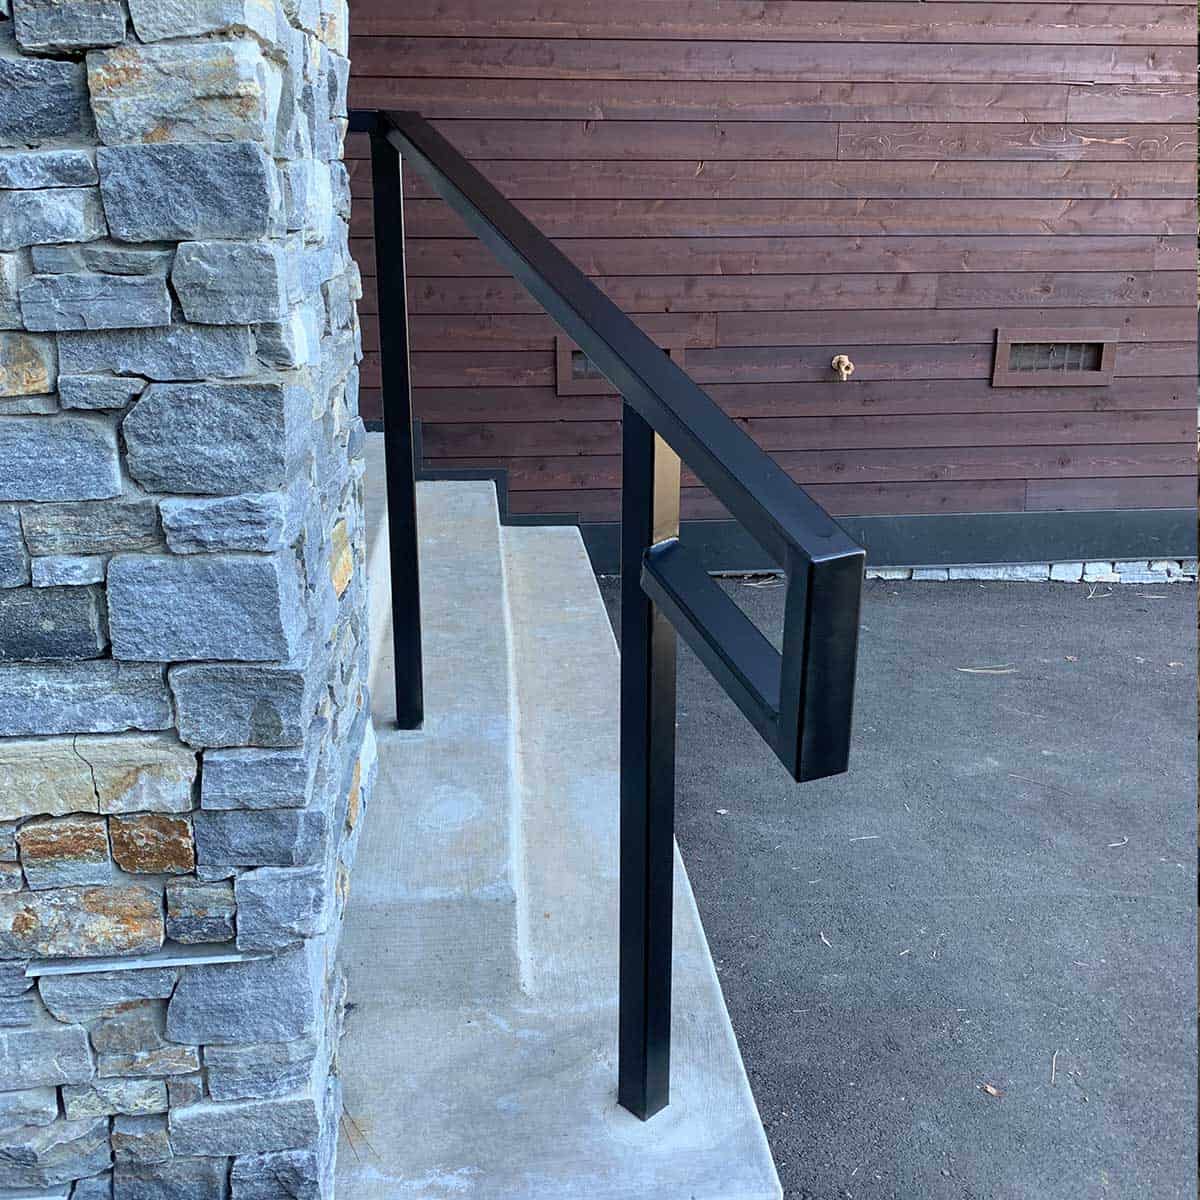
1042 358
1055 356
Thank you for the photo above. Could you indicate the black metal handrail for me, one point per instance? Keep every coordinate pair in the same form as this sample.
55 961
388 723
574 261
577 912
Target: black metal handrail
800 700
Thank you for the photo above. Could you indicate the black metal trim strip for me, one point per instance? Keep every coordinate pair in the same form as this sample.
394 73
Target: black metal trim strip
950 539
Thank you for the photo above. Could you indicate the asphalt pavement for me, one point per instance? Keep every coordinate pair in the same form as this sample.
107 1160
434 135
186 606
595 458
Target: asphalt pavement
966 970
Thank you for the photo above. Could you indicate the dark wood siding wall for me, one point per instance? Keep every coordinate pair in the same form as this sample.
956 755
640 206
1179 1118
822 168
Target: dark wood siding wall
778 181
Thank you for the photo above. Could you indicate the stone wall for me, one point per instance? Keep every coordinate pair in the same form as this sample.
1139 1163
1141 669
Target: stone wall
184 744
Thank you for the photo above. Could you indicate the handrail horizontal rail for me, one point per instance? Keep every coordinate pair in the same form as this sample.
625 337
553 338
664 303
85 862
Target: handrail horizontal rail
778 513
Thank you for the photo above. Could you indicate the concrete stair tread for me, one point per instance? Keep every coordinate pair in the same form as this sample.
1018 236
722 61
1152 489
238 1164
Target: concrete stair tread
514 1098
446 792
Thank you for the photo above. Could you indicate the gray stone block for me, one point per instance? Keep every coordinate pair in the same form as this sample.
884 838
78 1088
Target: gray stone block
177 1179
187 192
18 1012
214 606
185 1089
155 20
83 697
107 1097
280 906
98 391
259 1072
58 458
227 283
229 704
14 270
216 438
140 1139
104 258
44 1055
80 922
295 1174
200 911
95 1187
98 527
65 25
54 302
28 406
255 522
51 623
28 364
187 92
88 997
131 1044
245 1126
265 1000
14 558
293 342
12 878
13 980
30 1106
29 169
68 570
285 837
46 1155
178 352
257 778
50 215
43 98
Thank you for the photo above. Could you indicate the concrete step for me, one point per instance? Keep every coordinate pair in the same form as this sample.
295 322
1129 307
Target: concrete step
436 899
513 1098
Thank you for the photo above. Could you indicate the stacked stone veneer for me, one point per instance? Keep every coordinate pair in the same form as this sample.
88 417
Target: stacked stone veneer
184 745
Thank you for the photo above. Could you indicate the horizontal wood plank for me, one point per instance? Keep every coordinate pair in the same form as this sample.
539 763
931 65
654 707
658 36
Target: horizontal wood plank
787 364
854 398
801 62
812 467
812 255
705 100
1170 491
775 21
939 142
523 179
815 218
848 328
842 500
537 439
461 296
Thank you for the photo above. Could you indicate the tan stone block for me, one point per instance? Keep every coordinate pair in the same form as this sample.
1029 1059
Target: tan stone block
116 773
153 844
28 365
87 922
341 566
65 851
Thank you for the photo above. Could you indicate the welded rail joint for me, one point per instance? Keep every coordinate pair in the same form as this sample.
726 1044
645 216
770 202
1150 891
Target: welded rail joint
799 699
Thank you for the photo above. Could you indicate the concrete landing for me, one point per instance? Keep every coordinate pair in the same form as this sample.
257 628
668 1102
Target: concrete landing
513 1098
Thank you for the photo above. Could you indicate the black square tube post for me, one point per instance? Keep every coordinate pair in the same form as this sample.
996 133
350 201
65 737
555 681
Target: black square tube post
398 430
649 516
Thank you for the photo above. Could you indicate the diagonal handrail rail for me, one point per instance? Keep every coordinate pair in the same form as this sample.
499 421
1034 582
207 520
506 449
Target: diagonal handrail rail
800 700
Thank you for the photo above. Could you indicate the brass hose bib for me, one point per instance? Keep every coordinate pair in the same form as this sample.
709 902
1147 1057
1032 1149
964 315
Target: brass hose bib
843 366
